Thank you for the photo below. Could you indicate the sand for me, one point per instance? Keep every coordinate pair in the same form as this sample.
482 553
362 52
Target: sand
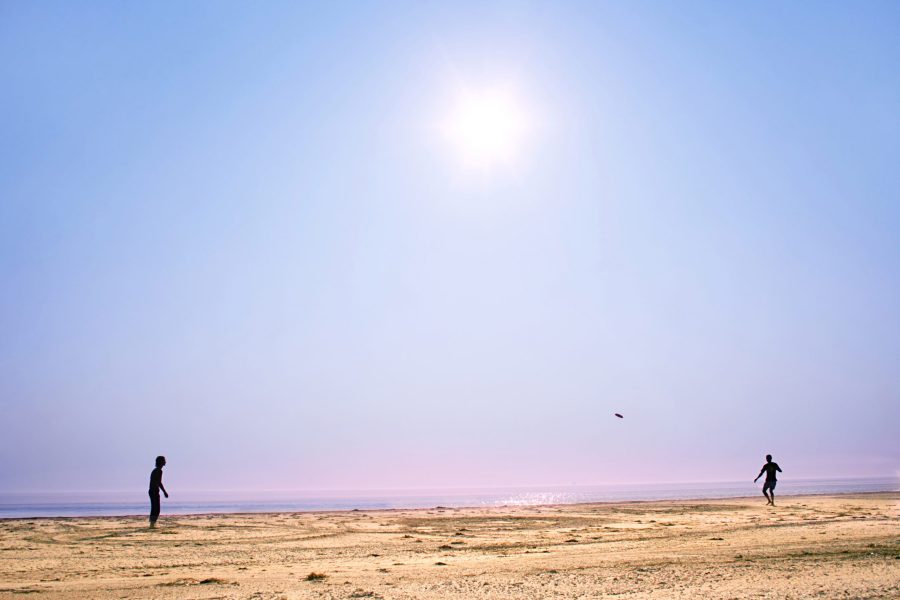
844 546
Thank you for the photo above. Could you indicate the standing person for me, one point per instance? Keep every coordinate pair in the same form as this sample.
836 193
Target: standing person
769 486
156 485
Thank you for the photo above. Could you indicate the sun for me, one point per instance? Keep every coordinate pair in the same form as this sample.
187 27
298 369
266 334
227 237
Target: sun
486 127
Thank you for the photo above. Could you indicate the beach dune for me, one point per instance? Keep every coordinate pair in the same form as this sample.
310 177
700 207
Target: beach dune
843 546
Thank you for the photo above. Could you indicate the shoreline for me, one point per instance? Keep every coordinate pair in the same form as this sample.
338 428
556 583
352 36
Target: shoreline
601 503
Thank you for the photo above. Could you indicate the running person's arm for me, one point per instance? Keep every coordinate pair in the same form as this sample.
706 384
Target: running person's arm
777 468
761 471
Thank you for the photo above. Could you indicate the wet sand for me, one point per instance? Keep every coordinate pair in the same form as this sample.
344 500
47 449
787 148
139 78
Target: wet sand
843 546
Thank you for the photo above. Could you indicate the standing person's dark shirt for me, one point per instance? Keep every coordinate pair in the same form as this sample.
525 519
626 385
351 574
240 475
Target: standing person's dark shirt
155 480
770 468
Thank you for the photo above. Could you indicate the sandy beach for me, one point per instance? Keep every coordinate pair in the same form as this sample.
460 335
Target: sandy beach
844 546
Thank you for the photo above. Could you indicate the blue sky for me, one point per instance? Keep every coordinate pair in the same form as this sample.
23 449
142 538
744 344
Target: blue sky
231 233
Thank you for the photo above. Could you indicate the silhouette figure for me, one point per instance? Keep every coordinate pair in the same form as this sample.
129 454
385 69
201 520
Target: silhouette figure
769 486
156 485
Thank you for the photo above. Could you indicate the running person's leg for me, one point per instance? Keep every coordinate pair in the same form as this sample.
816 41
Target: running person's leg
769 488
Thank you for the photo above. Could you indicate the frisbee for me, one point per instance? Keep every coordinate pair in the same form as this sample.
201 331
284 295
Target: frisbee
618 415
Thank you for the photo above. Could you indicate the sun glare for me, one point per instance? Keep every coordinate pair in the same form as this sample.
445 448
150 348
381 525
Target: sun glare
487 127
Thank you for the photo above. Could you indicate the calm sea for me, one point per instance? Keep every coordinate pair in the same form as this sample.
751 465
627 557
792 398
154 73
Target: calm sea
21 505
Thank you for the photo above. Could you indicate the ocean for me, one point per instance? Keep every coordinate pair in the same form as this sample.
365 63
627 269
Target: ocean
80 504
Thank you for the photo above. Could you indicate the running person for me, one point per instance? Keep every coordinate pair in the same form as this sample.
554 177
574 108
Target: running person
769 486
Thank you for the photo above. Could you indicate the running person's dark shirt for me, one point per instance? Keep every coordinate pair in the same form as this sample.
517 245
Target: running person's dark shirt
155 480
770 468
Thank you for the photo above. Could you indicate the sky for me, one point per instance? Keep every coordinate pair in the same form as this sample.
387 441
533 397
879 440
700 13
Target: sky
241 235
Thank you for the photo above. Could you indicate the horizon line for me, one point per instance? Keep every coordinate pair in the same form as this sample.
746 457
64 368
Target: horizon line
895 477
